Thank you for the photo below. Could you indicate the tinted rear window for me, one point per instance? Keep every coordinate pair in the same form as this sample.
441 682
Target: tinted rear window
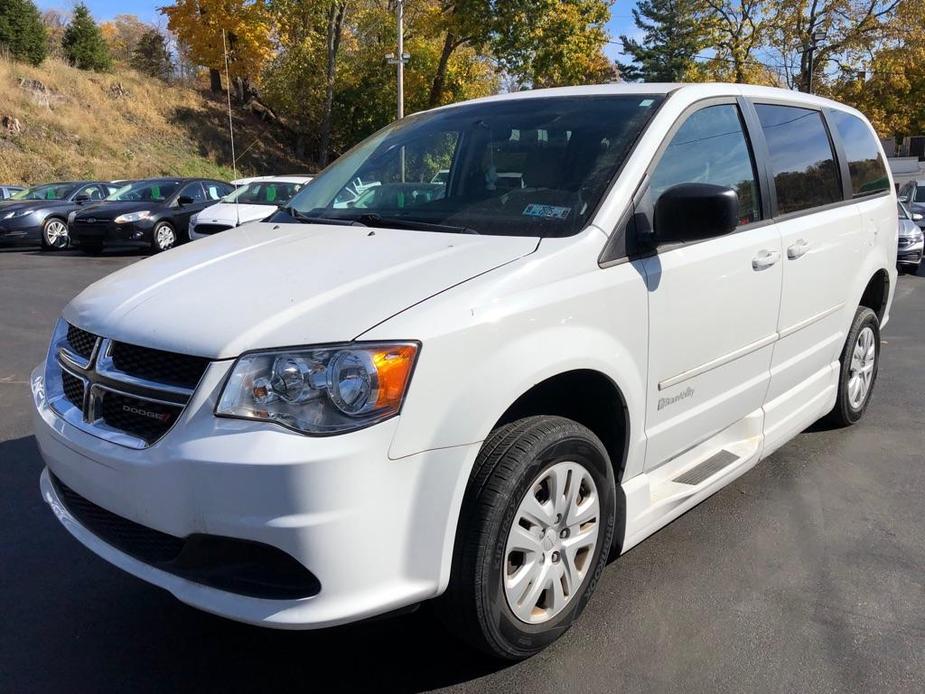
802 161
865 164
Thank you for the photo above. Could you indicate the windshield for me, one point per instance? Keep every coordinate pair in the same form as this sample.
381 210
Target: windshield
903 212
53 191
523 167
156 191
264 193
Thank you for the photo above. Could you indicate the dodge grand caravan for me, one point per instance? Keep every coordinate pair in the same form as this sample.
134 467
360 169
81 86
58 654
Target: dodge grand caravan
478 396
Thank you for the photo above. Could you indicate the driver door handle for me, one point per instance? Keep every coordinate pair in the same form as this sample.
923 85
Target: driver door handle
797 249
765 259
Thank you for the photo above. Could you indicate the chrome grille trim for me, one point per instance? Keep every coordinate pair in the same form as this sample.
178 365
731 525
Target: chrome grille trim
99 376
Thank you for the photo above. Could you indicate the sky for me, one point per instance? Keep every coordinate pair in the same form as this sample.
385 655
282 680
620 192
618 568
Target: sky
621 21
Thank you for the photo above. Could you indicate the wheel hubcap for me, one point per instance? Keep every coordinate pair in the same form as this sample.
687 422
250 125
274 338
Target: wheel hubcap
164 238
551 542
56 233
861 370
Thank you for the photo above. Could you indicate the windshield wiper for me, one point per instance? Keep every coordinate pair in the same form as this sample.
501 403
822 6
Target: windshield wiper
373 219
308 219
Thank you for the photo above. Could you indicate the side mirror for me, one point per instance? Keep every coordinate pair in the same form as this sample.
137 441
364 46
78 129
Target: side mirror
916 217
185 200
82 198
694 211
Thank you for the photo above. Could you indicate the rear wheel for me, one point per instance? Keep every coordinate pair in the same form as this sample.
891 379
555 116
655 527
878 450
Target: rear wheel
535 533
54 235
860 359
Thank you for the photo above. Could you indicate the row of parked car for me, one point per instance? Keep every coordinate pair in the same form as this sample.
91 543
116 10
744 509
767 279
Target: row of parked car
158 213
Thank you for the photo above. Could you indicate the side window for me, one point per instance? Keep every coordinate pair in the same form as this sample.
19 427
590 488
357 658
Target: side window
801 157
194 191
215 191
711 147
865 164
93 192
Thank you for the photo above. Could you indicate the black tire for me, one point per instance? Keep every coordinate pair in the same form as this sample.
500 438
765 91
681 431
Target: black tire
50 225
91 247
513 457
845 413
158 243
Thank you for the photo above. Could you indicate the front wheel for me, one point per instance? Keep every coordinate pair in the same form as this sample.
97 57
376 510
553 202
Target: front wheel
54 235
859 362
535 532
163 238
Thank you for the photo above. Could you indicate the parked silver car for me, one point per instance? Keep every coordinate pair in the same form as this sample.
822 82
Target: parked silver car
909 251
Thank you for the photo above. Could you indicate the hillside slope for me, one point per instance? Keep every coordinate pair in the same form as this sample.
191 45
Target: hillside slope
57 122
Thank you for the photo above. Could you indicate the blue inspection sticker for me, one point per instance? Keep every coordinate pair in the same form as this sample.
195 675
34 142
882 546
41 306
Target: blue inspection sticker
547 211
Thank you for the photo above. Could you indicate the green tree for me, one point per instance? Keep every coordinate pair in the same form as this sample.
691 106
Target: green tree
83 42
22 32
673 35
151 56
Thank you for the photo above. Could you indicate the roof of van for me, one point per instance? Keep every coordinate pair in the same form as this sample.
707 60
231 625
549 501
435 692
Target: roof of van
693 91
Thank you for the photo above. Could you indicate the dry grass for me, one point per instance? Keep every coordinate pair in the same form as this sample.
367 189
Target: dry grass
83 126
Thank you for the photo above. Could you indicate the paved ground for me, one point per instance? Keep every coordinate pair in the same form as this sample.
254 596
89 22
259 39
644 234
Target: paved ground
807 574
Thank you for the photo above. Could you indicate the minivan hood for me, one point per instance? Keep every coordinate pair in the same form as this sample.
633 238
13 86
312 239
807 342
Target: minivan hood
274 285
229 213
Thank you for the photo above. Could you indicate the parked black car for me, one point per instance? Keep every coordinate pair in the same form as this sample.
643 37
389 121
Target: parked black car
154 212
40 213
8 191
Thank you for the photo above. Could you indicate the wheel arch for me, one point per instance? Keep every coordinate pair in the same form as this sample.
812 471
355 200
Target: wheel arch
876 293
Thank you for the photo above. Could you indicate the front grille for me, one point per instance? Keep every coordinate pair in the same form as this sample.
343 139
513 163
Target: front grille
80 341
156 365
212 228
73 389
238 566
143 418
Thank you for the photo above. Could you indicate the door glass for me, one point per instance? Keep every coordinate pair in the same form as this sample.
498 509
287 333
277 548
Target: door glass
801 157
711 147
194 191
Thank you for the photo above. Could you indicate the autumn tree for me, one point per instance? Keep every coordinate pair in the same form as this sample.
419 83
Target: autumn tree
150 55
673 34
22 33
736 31
55 22
83 42
850 27
122 34
199 24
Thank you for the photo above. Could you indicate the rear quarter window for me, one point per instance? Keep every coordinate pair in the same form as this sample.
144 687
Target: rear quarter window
865 163
801 157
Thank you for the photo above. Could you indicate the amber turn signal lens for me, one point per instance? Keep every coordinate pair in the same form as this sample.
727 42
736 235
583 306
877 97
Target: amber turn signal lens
393 367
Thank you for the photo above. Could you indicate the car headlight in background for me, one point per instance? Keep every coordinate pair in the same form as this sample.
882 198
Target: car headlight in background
16 213
132 217
323 390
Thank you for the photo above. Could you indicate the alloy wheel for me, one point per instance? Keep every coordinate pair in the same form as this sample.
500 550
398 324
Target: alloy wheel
861 370
56 234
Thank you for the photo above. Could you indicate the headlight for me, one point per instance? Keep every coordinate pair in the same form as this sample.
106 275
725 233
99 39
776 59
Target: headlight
132 217
16 213
324 390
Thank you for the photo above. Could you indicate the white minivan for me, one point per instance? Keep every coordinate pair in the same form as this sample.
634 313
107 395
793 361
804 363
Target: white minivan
478 396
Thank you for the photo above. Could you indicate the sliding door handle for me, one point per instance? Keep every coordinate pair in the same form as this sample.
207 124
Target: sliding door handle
797 249
765 259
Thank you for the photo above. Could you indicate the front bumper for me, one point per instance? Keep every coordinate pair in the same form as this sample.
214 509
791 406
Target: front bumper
26 228
110 232
377 533
911 253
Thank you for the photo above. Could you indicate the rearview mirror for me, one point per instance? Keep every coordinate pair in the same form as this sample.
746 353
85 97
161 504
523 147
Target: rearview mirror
185 200
694 211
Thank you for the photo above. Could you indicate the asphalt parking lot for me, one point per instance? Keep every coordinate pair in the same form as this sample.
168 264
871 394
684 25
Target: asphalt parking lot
806 574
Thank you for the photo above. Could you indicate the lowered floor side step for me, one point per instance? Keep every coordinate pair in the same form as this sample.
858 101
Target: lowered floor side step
707 468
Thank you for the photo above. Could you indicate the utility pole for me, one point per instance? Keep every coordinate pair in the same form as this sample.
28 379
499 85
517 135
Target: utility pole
399 59
815 38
